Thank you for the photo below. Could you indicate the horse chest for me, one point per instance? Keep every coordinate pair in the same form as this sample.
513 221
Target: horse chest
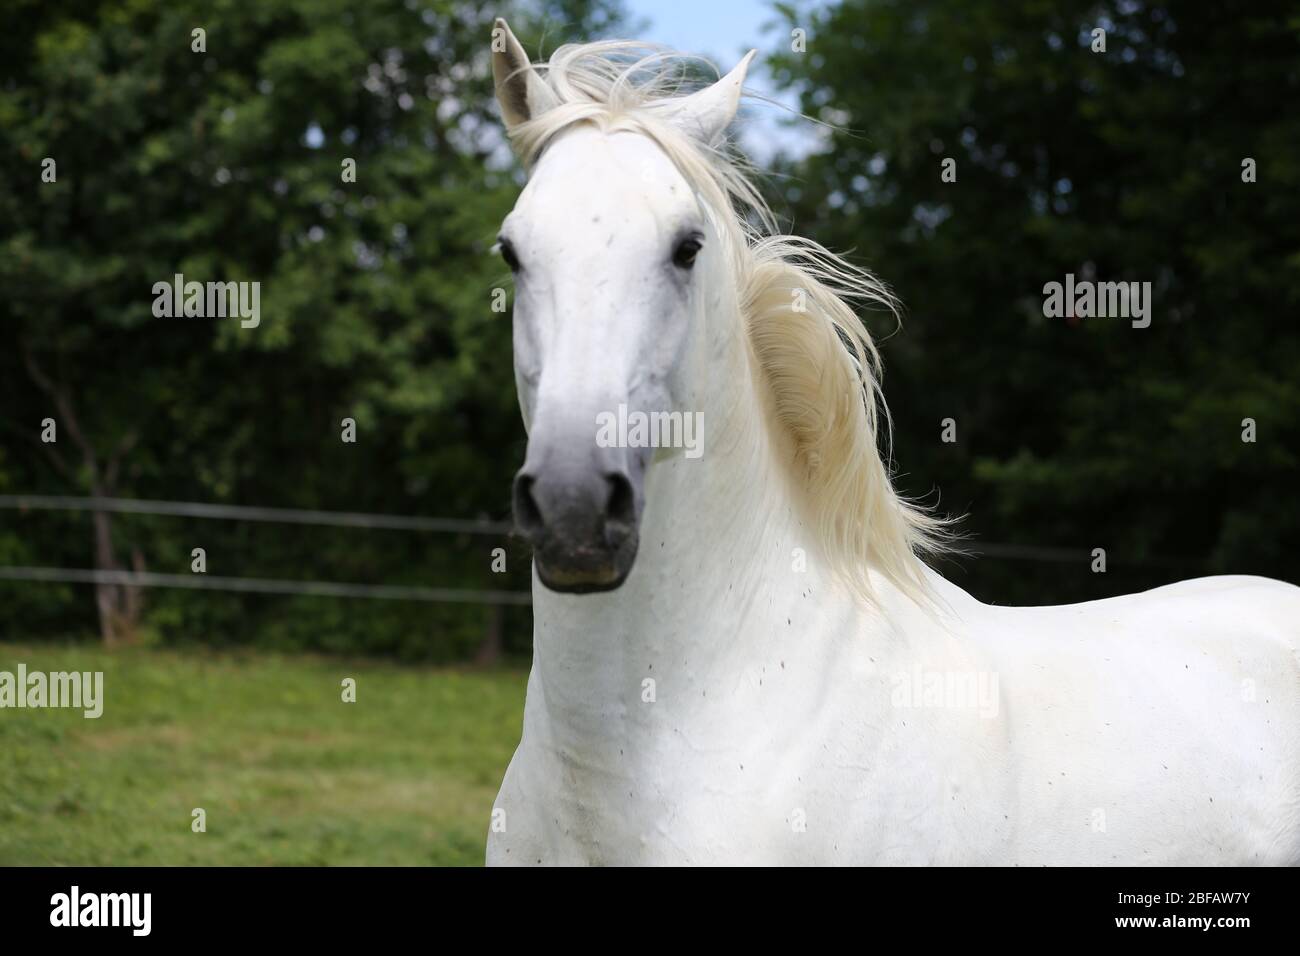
819 789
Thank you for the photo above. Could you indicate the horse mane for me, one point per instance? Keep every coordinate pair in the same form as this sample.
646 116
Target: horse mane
815 354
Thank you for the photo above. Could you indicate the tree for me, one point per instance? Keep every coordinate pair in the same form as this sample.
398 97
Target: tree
1126 165
349 161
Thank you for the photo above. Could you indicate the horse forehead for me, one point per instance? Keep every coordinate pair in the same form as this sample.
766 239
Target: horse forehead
618 181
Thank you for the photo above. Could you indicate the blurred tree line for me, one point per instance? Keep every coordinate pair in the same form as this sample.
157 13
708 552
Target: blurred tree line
375 299
1125 165
376 294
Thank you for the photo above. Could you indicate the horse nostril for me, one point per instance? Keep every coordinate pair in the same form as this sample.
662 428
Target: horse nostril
528 517
620 508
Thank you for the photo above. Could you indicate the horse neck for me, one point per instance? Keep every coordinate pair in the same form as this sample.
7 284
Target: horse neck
719 586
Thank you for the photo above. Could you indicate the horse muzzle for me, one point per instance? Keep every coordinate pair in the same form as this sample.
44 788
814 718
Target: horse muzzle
582 521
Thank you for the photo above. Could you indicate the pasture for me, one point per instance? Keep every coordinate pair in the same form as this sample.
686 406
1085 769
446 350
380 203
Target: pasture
287 773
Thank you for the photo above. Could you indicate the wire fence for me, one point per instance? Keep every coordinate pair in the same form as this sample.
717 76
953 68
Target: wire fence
352 519
194 509
205 582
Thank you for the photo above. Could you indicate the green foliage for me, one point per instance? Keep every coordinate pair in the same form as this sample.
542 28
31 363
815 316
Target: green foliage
375 299
1084 433
376 294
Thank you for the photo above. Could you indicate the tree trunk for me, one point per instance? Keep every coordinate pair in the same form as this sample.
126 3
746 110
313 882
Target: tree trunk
118 604
489 652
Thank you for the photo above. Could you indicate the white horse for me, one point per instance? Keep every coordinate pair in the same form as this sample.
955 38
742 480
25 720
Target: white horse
738 656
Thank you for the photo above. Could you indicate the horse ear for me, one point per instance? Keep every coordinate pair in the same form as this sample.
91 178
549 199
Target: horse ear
706 114
520 91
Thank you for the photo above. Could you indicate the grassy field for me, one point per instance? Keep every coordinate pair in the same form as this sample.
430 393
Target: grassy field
287 773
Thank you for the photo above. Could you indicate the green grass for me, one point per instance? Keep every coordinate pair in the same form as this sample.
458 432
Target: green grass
287 772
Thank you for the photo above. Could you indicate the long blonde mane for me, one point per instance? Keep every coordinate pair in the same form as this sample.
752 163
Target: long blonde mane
814 352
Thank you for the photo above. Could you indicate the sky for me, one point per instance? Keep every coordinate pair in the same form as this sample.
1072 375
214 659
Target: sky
724 30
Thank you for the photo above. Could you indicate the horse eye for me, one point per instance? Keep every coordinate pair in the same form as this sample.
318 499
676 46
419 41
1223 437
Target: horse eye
508 254
684 254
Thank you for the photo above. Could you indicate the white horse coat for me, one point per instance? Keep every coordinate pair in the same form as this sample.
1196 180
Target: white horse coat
736 699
